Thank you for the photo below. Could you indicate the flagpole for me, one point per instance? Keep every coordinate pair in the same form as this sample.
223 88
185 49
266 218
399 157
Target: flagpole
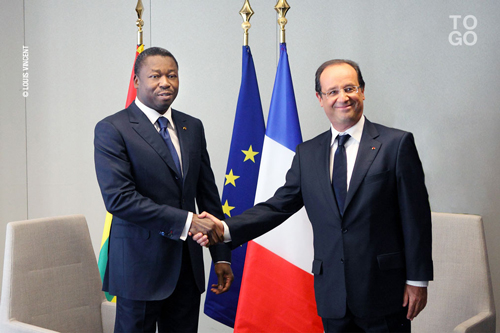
139 23
246 13
282 8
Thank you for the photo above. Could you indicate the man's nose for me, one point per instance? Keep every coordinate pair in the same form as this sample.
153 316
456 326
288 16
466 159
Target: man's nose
342 96
164 82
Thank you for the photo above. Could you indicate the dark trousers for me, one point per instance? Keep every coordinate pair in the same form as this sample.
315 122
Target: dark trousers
177 313
392 323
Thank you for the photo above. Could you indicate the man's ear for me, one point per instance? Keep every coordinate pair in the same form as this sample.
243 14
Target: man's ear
136 81
320 98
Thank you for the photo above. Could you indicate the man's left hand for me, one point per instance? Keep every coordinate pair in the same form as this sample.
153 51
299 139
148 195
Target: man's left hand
416 299
225 278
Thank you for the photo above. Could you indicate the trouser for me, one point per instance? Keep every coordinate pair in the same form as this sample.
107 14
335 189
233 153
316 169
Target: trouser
178 313
396 322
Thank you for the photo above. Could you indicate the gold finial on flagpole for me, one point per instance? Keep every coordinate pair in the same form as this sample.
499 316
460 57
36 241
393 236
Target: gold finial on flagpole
139 23
282 8
246 13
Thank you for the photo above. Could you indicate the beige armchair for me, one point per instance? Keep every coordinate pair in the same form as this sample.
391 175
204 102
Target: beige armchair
460 297
51 281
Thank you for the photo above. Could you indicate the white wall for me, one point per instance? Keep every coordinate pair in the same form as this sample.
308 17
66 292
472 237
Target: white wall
81 54
13 149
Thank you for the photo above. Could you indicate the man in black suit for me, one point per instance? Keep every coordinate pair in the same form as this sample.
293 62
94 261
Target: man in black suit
362 185
152 164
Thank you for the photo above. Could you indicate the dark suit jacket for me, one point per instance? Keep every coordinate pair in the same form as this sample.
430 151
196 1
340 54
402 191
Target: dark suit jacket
384 238
150 202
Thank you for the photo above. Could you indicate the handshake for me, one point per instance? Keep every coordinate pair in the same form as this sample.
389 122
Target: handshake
206 229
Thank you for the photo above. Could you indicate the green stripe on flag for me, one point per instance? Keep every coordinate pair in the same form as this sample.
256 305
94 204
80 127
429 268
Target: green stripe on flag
103 260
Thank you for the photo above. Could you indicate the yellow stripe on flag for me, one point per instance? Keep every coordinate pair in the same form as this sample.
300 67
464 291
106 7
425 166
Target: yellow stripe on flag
107 228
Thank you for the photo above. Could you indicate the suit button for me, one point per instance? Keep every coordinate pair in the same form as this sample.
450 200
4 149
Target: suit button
344 230
342 260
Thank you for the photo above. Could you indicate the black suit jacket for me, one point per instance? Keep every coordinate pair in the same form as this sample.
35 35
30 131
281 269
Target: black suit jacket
364 258
150 202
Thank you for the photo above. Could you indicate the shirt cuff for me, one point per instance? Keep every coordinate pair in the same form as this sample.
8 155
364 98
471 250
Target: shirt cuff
227 234
187 226
417 283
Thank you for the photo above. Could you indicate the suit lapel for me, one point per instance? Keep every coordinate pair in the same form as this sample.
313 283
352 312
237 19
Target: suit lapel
368 150
141 124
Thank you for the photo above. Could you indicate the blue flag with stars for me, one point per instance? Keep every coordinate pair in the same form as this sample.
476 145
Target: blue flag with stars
240 183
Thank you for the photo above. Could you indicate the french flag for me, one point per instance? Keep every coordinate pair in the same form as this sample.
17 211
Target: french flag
277 289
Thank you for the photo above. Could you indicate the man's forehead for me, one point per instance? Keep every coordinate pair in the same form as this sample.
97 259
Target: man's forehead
158 58
340 71
340 68
161 69
158 63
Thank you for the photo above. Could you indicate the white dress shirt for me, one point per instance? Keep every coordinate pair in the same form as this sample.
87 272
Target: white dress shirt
351 147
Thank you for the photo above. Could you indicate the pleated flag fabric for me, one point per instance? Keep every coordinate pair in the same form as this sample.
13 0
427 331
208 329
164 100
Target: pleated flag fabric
240 182
277 292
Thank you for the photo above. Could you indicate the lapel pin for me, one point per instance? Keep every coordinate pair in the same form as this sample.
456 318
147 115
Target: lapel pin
184 128
373 148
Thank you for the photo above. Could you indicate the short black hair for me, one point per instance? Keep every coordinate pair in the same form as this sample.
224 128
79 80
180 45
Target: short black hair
335 62
149 52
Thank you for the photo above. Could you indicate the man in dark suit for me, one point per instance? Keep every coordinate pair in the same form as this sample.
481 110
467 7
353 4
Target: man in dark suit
362 185
152 164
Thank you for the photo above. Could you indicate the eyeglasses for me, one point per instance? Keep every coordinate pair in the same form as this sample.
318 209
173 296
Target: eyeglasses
349 90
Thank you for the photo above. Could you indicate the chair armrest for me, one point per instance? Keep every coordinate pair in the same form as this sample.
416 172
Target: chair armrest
482 322
14 326
108 314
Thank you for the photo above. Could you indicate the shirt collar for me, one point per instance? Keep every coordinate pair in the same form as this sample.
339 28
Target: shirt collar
153 115
355 131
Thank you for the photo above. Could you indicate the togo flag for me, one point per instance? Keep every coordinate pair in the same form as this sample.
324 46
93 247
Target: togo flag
103 253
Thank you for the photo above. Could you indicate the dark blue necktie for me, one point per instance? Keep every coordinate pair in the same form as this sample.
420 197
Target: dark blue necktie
339 178
163 123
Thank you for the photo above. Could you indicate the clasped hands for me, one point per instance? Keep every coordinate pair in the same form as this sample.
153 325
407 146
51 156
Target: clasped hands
206 229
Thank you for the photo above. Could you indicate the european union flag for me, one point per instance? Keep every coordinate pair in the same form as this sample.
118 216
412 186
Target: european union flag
240 182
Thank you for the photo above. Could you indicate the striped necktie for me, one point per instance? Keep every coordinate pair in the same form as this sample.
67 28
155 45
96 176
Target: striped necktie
163 123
